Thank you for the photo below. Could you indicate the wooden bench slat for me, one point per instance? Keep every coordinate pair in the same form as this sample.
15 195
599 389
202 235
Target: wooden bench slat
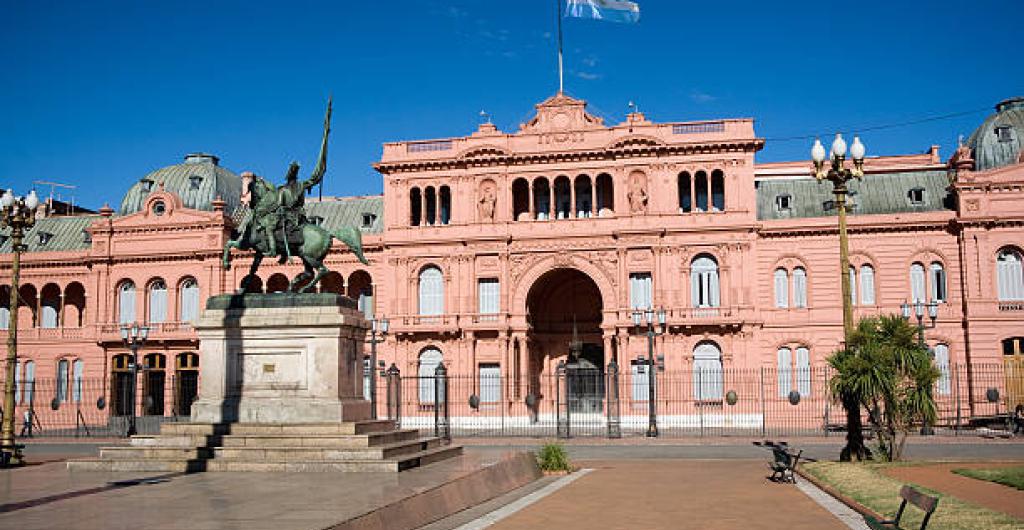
924 502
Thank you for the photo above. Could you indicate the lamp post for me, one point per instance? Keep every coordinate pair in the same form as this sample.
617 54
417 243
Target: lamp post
839 176
134 336
919 307
19 214
640 317
378 326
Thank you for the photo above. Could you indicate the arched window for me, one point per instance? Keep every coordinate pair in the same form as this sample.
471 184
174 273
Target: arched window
563 198
605 195
785 371
700 189
431 291
803 371
429 359
781 288
445 197
158 302
50 306
277 283
707 372
62 380
126 303
942 384
685 199
717 191
188 300
415 207
430 198
917 283
799 287
77 374
867 285
938 281
360 288
542 199
584 196
1010 275
853 286
704 282
520 199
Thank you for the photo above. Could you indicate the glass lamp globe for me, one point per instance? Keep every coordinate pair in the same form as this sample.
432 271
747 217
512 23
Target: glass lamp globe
857 149
818 151
839 146
32 200
7 199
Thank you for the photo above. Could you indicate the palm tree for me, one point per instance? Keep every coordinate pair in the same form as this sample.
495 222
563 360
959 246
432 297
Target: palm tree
887 372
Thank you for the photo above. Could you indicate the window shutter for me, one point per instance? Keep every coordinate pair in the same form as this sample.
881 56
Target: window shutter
853 285
803 371
78 369
639 381
942 385
640 290
126 303
799 287
5 316
49 316
158 303
867 285
429 360
782 288
490 383
784 371
938 291
431 292
714 299
189 301
488 295
62 380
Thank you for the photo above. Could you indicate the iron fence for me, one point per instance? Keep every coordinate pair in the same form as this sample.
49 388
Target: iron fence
101 407
699 403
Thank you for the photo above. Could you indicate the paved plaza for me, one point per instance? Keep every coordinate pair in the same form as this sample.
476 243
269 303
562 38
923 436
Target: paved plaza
638 483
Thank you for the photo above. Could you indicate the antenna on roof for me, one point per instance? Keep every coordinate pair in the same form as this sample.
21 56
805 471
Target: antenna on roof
53 186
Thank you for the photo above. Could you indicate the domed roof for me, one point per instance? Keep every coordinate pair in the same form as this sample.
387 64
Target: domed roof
199 180
997 142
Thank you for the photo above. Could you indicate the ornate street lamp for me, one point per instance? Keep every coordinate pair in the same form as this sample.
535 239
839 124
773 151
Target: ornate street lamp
134 336
378 327
933 314
19 214
839 176
641 317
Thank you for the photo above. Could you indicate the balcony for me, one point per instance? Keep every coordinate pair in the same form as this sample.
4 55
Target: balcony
162 331
425 324
686 317
1011 307
51 334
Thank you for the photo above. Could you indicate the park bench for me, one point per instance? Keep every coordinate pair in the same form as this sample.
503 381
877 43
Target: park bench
925 503
784 464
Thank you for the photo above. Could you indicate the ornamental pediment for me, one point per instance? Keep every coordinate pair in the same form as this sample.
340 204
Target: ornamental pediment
561 113
164 209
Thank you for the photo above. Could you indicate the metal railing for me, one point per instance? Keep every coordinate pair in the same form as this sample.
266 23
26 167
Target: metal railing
695 403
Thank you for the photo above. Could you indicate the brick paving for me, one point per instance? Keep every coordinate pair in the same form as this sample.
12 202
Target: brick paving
940 477
674 494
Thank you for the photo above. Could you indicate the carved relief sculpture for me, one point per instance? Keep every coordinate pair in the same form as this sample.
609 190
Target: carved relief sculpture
637 194
487 200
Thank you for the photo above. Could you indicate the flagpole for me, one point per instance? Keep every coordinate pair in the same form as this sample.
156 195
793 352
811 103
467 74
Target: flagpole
558 14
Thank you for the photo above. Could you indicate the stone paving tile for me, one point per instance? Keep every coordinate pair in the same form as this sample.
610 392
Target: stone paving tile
674 494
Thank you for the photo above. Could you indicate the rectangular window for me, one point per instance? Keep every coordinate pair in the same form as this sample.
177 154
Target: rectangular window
785 371
781 288
490 383
803 371
489 293
917 289
640 290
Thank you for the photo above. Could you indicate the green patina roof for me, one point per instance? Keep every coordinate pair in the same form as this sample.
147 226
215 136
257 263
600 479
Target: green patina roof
214 181
875 194
989 149
68 233
336 213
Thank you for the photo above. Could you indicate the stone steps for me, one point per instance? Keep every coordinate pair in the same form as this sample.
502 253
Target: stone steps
399 463
275 440
270 453
348 427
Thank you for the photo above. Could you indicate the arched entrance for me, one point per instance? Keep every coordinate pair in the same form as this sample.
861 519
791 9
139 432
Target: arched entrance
564 312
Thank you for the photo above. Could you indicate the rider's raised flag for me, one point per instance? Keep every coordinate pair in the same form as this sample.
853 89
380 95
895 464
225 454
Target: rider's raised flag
609 10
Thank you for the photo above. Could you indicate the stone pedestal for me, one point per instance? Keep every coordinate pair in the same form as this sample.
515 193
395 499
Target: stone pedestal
281 358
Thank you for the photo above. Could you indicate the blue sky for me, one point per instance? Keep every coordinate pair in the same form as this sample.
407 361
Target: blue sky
97 94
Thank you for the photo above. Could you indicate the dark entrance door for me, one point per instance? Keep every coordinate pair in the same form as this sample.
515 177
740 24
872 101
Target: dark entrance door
122 393
153 402
188 389
585 380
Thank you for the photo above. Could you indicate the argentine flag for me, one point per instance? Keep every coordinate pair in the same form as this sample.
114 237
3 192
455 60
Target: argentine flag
610 10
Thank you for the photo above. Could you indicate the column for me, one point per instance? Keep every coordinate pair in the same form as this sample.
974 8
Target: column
593 197
60 311
532 208
572 198
552 214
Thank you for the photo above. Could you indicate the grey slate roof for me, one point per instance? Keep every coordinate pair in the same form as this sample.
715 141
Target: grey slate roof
343 211
68 234
214 181
875 194
990 151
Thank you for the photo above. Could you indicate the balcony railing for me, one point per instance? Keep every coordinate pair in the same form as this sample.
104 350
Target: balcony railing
1016 306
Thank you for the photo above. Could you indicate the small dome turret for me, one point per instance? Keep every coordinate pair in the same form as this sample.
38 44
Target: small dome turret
198 181
998 140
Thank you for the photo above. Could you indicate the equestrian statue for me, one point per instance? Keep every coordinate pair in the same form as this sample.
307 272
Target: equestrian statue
278 224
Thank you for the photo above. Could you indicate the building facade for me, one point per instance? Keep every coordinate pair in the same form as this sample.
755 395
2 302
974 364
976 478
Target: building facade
493 252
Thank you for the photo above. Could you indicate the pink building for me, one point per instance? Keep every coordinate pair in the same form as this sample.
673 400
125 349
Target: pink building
491 252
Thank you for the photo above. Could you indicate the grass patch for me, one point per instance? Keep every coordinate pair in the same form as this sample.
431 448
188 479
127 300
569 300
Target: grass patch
552 457
866 484
1007 476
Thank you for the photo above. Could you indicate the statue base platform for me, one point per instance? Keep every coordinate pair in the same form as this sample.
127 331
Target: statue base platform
281 358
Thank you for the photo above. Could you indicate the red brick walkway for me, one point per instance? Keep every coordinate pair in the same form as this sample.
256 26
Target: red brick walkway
674 494
940 477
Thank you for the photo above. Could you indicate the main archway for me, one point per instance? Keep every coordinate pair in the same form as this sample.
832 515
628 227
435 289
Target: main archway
564 312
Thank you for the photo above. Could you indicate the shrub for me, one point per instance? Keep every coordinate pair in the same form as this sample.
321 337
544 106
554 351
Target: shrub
552 457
